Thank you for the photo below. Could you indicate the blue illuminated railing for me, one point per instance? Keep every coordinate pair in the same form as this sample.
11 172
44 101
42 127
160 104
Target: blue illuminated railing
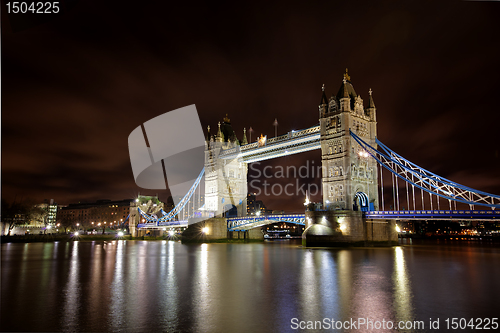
435 214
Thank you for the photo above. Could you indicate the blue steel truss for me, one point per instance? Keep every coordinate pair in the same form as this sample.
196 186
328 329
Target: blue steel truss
166 218
426 180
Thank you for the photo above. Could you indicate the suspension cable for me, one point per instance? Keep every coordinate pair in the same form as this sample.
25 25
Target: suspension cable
382 185
407 197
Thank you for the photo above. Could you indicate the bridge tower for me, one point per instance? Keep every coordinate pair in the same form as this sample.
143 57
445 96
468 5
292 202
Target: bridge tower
350 179
225 179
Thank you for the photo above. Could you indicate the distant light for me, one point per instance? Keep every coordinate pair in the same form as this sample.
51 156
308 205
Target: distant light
171 232
204 230
398 229
49 227
136 200
76 233
342 226
120 234
258 213
164 229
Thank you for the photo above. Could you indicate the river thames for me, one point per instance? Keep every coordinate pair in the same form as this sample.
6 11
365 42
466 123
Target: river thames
160 286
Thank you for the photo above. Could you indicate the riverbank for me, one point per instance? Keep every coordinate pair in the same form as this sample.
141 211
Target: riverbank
110 237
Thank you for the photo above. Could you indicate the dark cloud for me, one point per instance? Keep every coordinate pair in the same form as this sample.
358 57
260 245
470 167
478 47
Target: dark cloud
75 87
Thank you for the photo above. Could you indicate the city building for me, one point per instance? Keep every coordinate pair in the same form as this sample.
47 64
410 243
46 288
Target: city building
94 214
256 207
51 207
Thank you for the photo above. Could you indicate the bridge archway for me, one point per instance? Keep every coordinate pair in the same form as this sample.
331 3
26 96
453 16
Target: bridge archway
361 201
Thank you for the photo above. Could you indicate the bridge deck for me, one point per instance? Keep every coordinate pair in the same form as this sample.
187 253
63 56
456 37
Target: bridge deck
250 222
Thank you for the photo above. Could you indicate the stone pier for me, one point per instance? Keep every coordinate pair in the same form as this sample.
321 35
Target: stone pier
215 229
347 228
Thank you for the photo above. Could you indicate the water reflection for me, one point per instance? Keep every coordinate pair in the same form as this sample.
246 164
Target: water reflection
202 295
167 286
344 278
402 288
169 289
118 293
371 290
309 291
329 285
72 291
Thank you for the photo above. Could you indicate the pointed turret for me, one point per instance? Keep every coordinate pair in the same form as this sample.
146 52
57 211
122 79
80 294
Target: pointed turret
208 133
323 105
371 104
220 136
344 87
371 109
244 141
324 100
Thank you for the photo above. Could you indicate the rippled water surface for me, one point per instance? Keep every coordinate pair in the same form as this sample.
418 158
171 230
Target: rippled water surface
154 286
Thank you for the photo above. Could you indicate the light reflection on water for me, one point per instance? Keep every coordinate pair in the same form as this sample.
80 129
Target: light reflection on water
402 288
167 286
71 291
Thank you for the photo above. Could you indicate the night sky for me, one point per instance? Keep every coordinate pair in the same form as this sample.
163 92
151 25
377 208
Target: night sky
75 86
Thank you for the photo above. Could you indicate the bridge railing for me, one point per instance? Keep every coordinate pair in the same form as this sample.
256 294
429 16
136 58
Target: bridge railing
436 214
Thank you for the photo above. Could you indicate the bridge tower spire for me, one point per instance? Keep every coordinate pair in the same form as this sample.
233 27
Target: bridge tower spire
350 179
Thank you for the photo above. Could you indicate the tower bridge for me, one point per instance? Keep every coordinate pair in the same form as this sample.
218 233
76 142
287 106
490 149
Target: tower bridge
352 161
